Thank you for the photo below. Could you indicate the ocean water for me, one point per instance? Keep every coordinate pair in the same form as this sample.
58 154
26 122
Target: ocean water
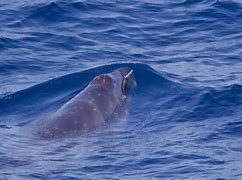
185 118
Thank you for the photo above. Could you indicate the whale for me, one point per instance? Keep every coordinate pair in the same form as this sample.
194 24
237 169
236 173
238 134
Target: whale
92 107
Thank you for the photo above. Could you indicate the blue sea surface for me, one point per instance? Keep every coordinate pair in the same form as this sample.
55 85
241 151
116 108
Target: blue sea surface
185 116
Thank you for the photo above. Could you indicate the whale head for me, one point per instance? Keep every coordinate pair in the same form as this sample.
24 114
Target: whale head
120 82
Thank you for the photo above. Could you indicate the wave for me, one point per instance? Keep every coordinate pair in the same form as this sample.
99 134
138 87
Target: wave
59 12
212 103
7 42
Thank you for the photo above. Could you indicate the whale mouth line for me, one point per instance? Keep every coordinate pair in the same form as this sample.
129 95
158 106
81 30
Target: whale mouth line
125 80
